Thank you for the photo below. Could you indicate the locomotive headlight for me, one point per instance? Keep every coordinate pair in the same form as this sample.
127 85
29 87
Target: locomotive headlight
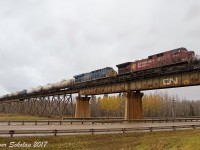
197 57
133 66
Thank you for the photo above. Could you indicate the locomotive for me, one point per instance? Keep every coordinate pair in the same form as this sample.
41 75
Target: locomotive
96 74
176 57
168 58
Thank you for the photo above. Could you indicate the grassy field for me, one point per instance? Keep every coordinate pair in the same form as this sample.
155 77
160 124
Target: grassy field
21 117
166 140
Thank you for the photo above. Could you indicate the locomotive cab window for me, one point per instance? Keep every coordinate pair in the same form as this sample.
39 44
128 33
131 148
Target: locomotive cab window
150 57
174 52
160 55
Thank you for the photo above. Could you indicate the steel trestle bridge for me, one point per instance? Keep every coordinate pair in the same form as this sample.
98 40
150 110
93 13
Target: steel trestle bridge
161 78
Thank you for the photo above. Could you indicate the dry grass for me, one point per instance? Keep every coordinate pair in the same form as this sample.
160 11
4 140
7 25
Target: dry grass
172 140
168 140
21 117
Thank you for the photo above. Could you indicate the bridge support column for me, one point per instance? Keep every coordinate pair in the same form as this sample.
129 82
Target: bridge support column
82 107
133 108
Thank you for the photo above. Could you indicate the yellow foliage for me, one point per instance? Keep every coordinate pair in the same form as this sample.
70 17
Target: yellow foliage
152 103
110 104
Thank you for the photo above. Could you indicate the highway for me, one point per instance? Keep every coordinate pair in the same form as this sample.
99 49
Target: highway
79 129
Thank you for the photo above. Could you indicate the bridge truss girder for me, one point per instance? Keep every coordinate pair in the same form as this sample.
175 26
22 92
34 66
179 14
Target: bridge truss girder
161 82
56 105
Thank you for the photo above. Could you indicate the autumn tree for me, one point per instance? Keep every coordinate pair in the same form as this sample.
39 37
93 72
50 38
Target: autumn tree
152 104
110 105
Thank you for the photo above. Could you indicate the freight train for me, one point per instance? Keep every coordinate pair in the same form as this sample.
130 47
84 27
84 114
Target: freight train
153 63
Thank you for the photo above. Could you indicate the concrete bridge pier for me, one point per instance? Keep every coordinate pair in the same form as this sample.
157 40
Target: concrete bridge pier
133 108
82 107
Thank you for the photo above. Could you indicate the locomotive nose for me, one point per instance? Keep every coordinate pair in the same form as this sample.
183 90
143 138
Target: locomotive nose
197 57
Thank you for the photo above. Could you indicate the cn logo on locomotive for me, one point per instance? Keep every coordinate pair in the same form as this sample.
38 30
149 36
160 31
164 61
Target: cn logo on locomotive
170 81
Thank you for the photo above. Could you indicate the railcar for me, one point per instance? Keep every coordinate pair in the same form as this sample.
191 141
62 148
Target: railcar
172 57
96 74
15 94
22 92
47 87
63 83
37 89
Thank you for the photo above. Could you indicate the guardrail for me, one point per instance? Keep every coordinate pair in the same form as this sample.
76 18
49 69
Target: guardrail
96 118
60 122
11 133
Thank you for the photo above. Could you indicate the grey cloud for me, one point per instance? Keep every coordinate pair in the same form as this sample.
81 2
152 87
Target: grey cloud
45 41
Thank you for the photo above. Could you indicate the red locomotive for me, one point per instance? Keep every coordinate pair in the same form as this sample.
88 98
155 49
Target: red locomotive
176 56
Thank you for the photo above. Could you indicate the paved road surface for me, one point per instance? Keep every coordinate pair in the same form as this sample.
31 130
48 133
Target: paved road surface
94 126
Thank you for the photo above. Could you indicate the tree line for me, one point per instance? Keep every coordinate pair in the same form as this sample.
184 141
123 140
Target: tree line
157 104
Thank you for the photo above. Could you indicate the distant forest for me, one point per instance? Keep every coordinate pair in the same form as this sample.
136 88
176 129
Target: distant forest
156 104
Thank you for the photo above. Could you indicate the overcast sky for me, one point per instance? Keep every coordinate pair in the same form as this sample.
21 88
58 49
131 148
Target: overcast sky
45 41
